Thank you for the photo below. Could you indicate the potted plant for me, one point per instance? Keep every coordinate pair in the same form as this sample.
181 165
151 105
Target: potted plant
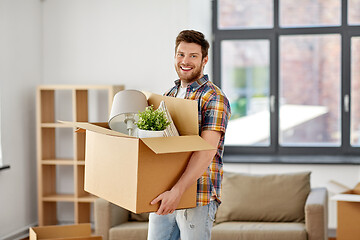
152 123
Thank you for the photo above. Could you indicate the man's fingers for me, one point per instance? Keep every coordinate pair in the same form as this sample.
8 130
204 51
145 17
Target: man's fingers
156 200
160 211
164 211
167 203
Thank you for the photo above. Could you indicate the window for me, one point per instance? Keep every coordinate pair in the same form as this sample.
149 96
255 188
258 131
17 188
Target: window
290 70
354 12
245 69
309 80
234 14
355 91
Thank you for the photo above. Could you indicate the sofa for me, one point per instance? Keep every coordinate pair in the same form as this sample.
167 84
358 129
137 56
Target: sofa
254 207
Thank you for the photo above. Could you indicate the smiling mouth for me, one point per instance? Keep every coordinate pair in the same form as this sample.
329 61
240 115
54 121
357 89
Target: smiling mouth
185 68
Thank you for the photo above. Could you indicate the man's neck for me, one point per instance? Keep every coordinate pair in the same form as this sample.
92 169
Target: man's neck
184 84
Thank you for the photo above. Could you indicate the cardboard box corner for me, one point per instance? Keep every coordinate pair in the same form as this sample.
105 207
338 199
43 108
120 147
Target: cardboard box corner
348 211
62 232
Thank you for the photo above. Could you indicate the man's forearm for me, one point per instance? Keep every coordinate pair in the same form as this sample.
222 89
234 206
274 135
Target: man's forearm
198 163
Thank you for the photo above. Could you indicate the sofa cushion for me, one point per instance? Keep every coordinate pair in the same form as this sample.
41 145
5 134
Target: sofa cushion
129 231
140 217
258 231
267 198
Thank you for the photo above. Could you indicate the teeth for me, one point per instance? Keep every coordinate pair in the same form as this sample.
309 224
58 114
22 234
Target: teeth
184 68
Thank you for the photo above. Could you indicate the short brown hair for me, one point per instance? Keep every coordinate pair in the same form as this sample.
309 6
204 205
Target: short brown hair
191 36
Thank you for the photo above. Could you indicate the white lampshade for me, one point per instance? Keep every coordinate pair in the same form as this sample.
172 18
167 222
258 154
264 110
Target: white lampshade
125 102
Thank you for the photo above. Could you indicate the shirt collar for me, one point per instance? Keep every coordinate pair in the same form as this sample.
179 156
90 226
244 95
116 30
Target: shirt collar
196 84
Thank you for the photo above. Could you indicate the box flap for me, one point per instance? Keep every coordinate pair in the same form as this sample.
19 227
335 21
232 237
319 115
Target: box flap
101 124
95 128
177 144
357 189
184 112
336 187
77 238
32 234
346 197
57 231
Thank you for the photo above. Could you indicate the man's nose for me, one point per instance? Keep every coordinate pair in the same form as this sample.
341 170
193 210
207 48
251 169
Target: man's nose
185 60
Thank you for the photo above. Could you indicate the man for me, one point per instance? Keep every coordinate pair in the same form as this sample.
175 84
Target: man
191 56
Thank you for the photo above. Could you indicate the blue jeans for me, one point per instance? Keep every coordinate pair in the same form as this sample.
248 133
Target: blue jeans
187 224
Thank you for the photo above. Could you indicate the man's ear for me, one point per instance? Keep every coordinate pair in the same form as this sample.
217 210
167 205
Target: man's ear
205 60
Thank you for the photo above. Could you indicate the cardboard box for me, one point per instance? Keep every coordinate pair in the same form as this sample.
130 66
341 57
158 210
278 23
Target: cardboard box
348 212
65 232
131 172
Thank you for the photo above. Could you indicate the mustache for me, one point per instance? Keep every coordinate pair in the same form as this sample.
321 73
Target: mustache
186 65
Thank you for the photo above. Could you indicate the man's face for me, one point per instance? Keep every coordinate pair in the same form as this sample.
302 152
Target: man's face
189 64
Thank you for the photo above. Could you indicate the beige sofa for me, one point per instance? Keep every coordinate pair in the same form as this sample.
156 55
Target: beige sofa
254 207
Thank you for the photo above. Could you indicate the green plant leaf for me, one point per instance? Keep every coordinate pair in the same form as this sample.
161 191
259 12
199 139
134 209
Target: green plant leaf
154 120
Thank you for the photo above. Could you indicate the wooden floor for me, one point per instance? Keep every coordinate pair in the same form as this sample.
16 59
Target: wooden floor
330 238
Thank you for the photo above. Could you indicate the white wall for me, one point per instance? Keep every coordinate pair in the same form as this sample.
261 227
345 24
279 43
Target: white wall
20 72
117 42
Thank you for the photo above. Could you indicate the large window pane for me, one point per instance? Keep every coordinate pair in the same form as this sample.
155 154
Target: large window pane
304 13
237 14
245 80
354 12
355 91
310 90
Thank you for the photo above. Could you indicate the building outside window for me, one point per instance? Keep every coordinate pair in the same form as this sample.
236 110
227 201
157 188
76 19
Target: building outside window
291 72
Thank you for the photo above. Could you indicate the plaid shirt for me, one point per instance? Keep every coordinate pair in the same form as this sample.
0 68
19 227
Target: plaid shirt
214 113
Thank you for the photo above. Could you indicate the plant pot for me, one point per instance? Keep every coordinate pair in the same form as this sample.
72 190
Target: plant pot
149 134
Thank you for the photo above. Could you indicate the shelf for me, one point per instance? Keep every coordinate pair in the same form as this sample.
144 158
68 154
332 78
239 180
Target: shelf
87 198
79 87
59 198
57 162
54 125
61 150
69 198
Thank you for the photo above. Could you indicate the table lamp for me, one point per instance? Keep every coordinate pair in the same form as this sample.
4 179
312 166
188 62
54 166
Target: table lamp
125 105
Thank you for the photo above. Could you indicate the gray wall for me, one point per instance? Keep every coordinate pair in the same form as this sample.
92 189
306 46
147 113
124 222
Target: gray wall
20 72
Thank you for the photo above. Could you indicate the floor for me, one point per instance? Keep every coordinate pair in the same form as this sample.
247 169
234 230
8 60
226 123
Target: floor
331 233
330 238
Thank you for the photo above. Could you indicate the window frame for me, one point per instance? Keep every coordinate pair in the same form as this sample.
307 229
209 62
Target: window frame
345 31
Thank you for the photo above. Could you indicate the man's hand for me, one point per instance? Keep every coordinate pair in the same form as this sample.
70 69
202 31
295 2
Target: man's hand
169 201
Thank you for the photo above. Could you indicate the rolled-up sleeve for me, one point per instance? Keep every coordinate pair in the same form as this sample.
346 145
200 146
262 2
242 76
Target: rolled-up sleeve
216 114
